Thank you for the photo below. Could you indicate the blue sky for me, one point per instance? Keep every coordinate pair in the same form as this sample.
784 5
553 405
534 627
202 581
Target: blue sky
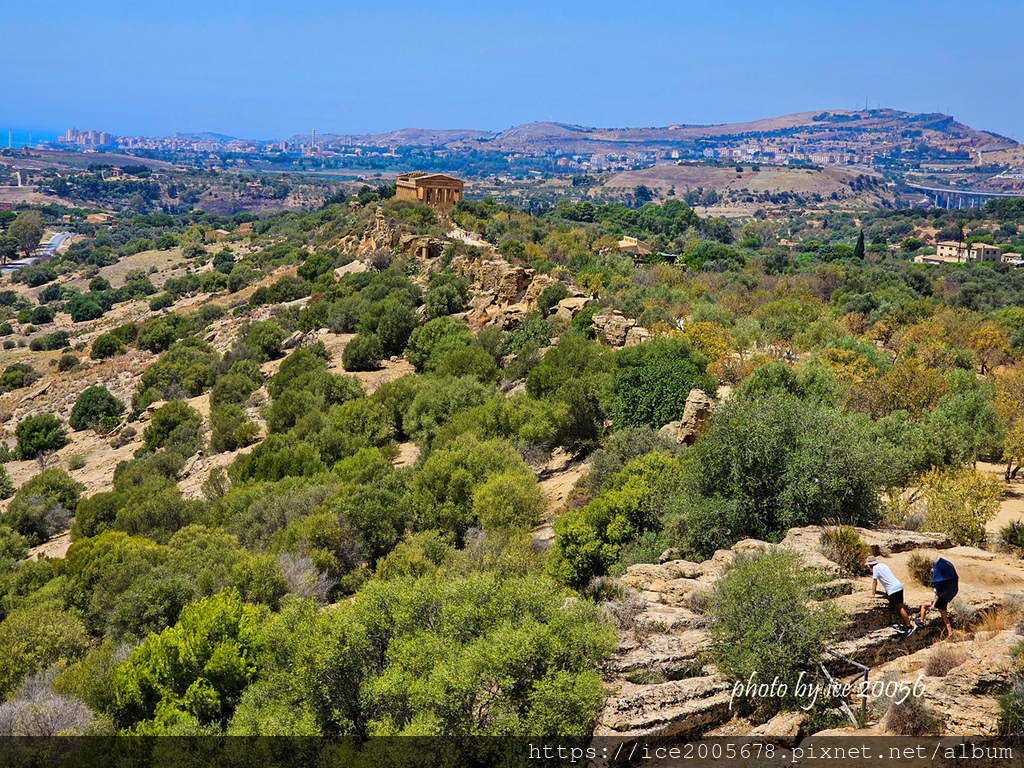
262 69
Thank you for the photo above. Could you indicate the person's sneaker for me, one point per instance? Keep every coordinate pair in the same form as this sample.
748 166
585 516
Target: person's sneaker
918 623
911 629
899 628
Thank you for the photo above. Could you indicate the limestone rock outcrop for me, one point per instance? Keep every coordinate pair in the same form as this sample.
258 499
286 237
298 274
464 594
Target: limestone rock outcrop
503 294
881 542
665 688
619 330
695 416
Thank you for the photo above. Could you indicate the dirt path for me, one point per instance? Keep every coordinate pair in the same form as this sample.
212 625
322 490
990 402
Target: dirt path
1012 505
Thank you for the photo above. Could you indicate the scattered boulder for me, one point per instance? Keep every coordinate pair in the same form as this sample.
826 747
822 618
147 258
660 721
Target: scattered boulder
352 267
785 729
694 420
619 330
568 308
297 339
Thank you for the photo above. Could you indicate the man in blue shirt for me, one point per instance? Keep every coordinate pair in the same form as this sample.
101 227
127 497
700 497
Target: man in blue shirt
945 585
881 573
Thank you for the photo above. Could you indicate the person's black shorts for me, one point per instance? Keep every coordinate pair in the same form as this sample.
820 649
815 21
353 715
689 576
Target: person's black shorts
895 599
945 591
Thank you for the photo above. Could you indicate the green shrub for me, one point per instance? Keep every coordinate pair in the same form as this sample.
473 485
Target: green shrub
82 308
437 402
416 556
127 333
44 505
764 623
174 423
633 502
519 420
241 275
550 297
508 502
50 341
224 261
842 545
650 382
107 345
6 484
802 464
247 434
225 422
315 265
232 388
429 343
161 301
392 320
170 678
16 376
35 639
277 457
1011 536
155 335
469 361
42 315
583 323
76 461
187 369
363 353
534 330
441 494
266 338
94 404
620 449
395 397
39 433
96 513
443 300
67 363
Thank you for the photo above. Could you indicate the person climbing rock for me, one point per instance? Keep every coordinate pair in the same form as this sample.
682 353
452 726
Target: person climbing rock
893 591
945 585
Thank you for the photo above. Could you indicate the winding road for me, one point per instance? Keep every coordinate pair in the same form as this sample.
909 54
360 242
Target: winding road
48 250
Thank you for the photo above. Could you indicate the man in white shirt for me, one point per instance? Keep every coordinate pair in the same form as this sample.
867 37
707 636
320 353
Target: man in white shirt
893 592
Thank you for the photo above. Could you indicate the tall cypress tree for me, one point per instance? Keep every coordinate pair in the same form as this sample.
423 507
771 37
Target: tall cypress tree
858 250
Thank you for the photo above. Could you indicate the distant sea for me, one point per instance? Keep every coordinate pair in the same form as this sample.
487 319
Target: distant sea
19 136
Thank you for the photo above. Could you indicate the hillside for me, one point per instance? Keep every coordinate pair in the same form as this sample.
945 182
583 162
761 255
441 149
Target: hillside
743 189
376 450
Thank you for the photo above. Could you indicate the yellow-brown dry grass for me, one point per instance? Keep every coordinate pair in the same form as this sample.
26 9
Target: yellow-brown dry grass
994 620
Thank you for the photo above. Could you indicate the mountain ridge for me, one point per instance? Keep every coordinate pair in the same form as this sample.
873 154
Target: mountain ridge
571 137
